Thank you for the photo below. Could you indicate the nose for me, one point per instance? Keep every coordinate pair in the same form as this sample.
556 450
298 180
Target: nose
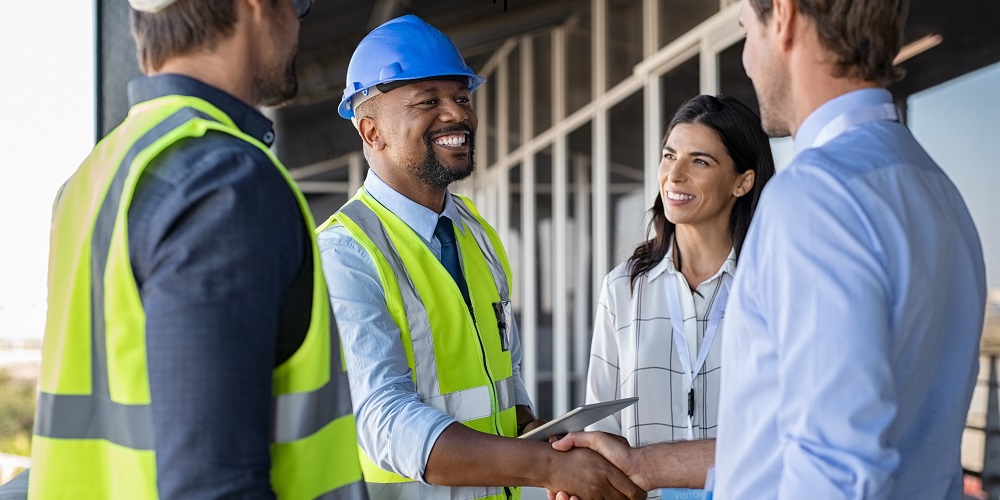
672 171
453 112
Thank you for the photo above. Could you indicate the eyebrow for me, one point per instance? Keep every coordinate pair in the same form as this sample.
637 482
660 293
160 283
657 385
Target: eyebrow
695 154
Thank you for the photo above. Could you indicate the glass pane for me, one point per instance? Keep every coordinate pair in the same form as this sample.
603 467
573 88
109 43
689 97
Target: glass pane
624 34
491 119
541 81
513 244
627 203
678 85
544 275
514 99
733 80
579 261
579 45
679 16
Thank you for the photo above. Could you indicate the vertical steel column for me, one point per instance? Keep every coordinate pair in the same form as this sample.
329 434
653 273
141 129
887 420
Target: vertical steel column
600 172
652 105
650 27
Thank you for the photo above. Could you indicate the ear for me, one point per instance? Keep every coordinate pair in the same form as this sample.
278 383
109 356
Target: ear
370 133
255 8
744 183
782 22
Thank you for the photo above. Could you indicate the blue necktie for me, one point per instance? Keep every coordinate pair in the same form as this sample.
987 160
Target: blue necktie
445 234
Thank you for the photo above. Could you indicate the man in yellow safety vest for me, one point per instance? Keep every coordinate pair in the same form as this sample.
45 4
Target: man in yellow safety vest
422 293
189 348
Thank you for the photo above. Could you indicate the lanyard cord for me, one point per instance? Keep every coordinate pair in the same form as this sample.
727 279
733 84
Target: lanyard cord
680 335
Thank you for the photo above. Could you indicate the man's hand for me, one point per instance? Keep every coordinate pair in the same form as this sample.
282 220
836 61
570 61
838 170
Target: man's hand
584 473
613 448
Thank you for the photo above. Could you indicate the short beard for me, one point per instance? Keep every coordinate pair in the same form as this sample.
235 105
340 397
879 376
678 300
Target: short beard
435 173
774 103
275 89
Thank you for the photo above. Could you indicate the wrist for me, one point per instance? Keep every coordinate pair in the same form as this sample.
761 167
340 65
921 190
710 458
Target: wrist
637 472
522 425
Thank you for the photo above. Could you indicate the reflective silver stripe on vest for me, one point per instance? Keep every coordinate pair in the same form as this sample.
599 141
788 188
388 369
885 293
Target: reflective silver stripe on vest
464 405
505 393
95 416
352 491
301 414
496 268
416 314
397 491
470 404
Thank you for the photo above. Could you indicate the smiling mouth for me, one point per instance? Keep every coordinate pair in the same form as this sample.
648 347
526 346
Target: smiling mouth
679 196
455 140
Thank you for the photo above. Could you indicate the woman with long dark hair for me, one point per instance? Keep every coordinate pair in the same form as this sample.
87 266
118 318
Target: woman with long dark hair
657 330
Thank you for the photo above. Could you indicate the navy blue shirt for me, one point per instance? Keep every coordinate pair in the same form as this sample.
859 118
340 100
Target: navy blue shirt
221 255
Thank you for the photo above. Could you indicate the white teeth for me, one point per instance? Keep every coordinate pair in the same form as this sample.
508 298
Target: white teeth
451 140
679 196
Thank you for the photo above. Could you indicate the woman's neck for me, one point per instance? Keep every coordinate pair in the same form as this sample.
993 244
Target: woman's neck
702 251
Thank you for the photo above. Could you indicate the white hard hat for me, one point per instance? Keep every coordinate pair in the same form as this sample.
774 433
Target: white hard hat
152 6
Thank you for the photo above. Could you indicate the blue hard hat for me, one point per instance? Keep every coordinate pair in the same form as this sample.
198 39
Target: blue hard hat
405 48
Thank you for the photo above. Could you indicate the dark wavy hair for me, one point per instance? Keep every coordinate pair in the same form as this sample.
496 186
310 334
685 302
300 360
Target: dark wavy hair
739 130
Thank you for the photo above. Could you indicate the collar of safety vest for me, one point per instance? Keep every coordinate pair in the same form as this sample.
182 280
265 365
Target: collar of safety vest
246 117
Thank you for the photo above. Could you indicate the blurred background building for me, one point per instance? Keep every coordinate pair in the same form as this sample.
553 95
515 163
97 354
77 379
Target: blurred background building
571 119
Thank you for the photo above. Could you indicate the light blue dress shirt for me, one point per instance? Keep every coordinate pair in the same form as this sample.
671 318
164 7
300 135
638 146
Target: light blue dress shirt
395 428
852 332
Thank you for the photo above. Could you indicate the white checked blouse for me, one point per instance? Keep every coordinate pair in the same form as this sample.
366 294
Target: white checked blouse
633 354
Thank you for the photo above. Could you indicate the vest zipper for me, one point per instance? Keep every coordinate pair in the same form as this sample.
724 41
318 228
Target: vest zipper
493 388
486 367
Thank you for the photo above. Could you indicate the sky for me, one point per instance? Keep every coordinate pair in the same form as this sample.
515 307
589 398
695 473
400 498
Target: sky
47 86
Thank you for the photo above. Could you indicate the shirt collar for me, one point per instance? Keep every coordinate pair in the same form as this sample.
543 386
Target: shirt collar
420 218
246 117
667 265
830 110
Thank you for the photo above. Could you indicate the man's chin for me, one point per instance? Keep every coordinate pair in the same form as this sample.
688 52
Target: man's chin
279 98
462 172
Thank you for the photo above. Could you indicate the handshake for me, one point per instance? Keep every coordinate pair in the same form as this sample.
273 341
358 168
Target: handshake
630 472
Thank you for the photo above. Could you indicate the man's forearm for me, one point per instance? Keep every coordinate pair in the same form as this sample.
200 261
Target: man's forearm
680 464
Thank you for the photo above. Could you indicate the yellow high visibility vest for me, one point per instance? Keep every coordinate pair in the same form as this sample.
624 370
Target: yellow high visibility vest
460 364
93 433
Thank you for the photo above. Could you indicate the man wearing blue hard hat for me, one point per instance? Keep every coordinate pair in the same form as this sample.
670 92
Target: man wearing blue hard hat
189 350
422 293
